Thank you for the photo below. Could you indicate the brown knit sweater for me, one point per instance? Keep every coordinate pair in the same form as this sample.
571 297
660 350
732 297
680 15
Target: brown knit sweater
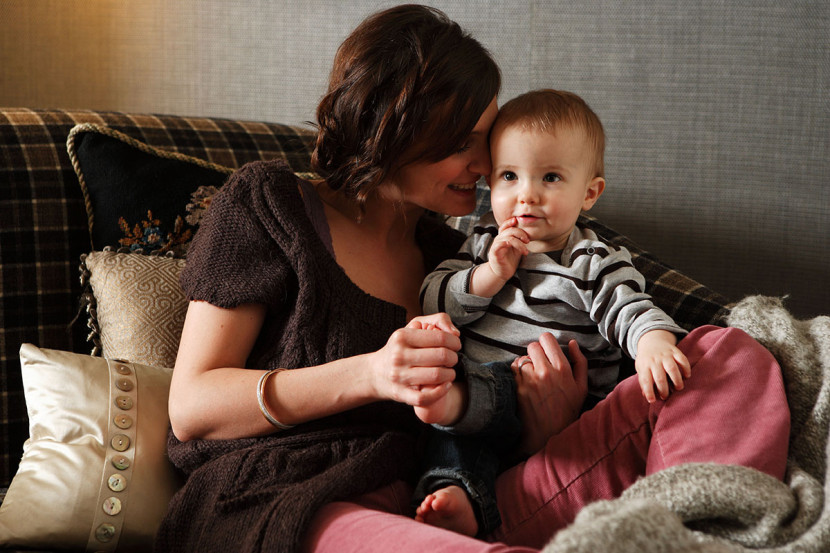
256 244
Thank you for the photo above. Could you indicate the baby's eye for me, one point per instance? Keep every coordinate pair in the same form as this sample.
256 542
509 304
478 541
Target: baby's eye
508 175
551 177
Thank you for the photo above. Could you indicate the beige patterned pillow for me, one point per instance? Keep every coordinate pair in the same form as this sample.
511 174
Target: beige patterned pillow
138 307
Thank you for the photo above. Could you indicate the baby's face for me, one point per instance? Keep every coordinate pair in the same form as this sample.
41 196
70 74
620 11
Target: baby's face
544 180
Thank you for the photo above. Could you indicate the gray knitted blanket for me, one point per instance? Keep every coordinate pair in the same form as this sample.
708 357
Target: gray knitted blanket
729 509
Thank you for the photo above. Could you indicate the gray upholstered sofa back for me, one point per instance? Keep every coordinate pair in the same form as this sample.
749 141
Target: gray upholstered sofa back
717 121
716 111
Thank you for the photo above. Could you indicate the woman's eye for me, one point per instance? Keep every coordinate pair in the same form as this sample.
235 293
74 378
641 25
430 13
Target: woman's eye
508 175
551 177
463 148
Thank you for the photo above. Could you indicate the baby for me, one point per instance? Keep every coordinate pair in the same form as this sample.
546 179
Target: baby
527 269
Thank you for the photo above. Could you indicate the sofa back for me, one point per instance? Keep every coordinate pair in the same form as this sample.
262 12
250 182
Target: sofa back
45 227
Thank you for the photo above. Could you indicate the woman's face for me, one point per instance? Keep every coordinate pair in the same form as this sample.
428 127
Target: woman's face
449 186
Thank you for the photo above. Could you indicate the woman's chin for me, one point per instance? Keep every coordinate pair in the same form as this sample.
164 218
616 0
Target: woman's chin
460 203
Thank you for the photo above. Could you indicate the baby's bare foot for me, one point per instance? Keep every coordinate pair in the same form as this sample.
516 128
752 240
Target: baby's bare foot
448 508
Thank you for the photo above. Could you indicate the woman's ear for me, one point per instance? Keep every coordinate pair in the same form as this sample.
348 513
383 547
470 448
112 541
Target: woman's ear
595 189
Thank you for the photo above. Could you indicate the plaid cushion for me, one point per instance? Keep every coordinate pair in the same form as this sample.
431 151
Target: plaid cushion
44 225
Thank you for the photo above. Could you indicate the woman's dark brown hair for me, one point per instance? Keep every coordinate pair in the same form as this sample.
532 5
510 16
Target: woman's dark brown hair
407 85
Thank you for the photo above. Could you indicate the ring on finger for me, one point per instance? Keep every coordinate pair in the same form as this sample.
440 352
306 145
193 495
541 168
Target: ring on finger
524 361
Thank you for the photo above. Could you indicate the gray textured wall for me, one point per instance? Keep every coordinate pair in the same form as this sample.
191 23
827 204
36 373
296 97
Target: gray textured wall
716 111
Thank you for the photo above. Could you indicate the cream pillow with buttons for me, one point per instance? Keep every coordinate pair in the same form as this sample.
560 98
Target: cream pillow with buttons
94 473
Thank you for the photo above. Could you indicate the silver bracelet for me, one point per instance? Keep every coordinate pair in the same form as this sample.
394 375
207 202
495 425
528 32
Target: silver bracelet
260 387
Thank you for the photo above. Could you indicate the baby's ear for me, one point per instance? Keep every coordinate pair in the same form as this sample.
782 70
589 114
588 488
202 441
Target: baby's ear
595 189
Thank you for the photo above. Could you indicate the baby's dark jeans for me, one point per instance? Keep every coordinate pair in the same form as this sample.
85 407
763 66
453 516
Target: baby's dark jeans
470 453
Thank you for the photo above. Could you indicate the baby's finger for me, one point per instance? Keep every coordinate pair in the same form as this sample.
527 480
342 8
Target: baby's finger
515 232
445 326
511 222
508 242
661 382
504 242
416 338
646 386
674 374
683 363
517 245
440 321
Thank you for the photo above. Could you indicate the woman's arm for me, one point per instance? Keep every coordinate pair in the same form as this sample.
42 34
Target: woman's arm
213 397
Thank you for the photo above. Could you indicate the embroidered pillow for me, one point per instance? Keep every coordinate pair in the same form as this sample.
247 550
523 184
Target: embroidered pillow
138 196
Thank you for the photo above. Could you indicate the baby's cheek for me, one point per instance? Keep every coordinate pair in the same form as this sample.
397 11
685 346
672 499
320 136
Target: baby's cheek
502 208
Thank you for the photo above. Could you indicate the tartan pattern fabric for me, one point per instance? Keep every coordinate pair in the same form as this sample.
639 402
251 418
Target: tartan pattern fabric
44 231
43 225
688 302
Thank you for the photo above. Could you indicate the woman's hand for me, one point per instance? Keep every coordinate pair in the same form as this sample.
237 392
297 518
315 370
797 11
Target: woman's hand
550 392
416 364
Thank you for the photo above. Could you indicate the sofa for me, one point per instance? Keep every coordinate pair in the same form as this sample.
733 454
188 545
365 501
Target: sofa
97 211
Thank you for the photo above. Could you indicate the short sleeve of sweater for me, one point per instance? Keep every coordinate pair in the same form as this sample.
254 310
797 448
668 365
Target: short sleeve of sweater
237 254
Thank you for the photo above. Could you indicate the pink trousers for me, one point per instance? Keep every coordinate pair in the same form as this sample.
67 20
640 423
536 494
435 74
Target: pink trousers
733 410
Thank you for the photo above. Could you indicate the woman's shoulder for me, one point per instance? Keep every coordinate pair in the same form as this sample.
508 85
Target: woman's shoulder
251 202
259 176
233 258
261 188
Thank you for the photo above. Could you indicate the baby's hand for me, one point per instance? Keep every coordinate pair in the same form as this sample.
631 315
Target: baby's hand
508 248
657 357
435 321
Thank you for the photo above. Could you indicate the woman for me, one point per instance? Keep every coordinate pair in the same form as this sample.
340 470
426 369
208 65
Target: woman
323 278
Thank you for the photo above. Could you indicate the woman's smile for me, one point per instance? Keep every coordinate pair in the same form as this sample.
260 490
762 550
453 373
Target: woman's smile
463 187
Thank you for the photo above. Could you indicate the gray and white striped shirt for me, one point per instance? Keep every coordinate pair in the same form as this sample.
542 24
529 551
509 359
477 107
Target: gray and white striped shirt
590 292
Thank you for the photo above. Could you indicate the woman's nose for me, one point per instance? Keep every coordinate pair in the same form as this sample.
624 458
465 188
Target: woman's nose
480 161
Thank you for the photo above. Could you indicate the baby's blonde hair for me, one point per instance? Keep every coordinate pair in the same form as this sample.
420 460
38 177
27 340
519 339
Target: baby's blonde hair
547 110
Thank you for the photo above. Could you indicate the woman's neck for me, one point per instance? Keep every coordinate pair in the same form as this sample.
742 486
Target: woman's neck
376 248
387 222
